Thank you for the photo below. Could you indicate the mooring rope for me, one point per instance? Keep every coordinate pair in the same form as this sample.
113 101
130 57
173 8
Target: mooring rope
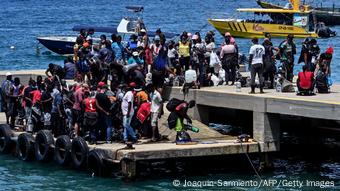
251 163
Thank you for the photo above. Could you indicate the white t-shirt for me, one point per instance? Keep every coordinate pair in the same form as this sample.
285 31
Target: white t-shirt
128 97
156 100
257 51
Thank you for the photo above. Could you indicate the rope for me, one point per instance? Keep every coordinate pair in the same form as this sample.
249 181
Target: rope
251 163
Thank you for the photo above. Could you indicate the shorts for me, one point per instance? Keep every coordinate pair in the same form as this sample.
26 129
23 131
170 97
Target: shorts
76 116
154 119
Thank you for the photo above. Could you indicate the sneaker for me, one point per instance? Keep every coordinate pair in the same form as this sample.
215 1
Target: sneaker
251 92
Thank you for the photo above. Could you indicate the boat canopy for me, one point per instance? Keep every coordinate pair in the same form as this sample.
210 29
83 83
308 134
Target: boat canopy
283 11
135 9
112 29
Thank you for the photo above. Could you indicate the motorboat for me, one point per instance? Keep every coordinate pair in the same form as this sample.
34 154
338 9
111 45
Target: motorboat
296 22
63 45
328 15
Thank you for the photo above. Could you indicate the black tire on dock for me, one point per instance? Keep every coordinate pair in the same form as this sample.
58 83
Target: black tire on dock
96 165
79 152
25 147
6 143
43 145
62 150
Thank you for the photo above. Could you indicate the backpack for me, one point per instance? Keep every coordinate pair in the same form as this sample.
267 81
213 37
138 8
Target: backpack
173 103
172 120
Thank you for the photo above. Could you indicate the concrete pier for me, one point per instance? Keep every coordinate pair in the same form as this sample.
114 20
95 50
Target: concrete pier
266 108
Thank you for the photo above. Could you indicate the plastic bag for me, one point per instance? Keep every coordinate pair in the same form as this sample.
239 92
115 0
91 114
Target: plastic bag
329 81
214 60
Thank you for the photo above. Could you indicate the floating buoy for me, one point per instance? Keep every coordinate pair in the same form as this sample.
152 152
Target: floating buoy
12 47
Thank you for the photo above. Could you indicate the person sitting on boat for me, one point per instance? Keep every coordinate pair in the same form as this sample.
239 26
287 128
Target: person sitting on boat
102 42
287 50
228 56
82 34
89 35
76 48
305 81
309 53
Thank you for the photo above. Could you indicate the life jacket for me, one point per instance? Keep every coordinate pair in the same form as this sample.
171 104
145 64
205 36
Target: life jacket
184 49
90 105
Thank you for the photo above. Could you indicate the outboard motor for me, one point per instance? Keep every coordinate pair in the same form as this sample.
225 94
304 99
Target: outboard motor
324 31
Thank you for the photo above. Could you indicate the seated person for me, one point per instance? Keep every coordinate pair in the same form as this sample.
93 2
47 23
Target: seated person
305 81
135 59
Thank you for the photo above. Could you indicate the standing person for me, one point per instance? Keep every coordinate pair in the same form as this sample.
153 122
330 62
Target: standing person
184 49
161 36
28 102
198 57
46 106
90 116
5 93
256 53
119 50
287 50
269 62
309 53
103 105
76 109
13 101
210 47
57 113
69 69
128 111
156 112
229 62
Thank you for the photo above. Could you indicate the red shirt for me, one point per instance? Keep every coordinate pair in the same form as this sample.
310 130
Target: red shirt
90 105
36 96
306 79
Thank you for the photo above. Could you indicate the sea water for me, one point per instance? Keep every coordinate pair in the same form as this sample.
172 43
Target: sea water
23 20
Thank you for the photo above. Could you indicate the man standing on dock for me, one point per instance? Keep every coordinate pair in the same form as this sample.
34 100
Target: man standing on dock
256 52
128 111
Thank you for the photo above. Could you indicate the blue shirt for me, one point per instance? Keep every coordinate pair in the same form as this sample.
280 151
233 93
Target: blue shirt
132 60
56 101
118 50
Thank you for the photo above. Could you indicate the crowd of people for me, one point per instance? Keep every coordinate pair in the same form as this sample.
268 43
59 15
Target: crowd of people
118 87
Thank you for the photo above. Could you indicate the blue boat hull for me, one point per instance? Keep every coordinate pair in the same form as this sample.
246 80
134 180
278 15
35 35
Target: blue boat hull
57 46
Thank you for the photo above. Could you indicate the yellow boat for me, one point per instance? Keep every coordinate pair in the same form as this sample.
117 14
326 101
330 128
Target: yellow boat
297 23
